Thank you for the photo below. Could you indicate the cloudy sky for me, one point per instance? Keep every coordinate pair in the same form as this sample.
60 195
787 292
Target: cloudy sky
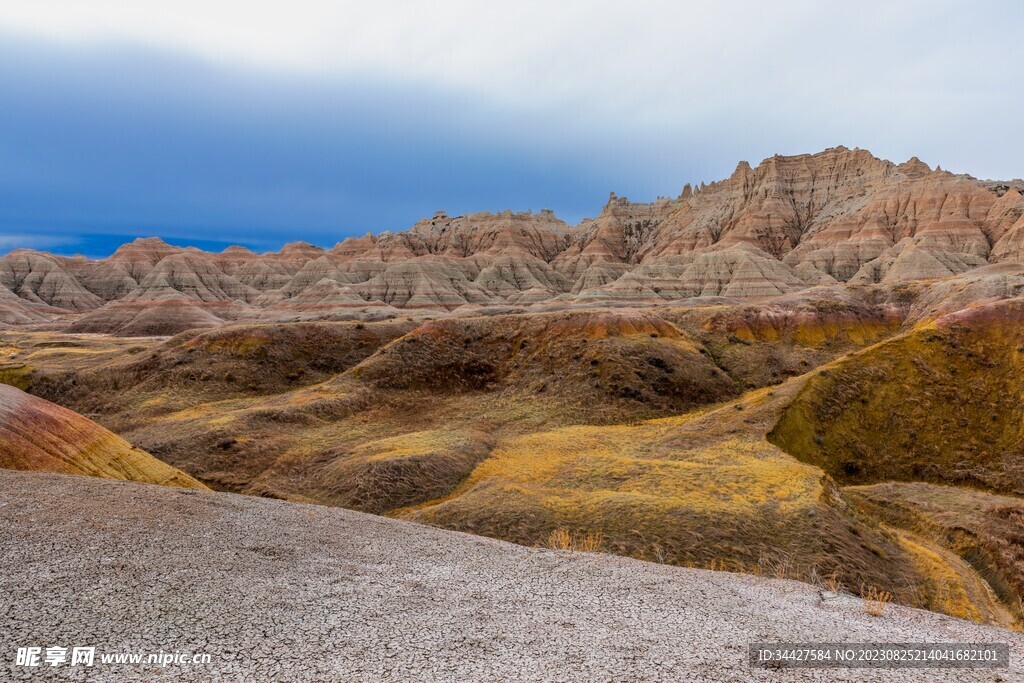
211 123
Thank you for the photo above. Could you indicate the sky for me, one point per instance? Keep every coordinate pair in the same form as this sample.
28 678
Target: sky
215 123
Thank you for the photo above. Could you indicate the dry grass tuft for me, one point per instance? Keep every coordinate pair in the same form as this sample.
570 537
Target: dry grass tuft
875 600
593 542
780 568
562 539
833 584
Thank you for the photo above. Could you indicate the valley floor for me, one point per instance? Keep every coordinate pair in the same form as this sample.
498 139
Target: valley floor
274 590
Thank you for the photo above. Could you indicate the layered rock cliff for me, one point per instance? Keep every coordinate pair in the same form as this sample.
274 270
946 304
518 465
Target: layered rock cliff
839 216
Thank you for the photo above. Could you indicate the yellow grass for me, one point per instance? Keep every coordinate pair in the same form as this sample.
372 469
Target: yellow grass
562 539
405 445
606 463
16 375
944 588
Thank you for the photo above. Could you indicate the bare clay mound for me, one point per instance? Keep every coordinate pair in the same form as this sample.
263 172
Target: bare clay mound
37 435
289 592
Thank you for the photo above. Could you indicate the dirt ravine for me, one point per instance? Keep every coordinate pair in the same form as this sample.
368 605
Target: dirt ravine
278 591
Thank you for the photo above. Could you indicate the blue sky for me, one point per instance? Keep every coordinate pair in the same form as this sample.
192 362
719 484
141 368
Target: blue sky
218 123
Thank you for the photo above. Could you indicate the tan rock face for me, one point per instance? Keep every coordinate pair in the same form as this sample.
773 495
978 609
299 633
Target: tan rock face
17 311
147 318
40 278
839 216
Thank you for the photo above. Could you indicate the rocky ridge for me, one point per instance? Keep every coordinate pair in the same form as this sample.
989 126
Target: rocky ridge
792 222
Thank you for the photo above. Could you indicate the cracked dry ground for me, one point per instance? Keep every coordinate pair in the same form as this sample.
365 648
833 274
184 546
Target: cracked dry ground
291 592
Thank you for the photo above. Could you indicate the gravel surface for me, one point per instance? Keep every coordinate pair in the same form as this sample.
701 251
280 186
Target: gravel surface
280 591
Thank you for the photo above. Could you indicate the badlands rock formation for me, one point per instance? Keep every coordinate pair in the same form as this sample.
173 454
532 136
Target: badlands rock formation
41 436
839 216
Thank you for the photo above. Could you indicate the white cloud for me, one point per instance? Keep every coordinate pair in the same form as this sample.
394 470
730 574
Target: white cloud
9 241
897 77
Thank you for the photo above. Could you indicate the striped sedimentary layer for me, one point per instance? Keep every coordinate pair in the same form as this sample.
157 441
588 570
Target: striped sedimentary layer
839 216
